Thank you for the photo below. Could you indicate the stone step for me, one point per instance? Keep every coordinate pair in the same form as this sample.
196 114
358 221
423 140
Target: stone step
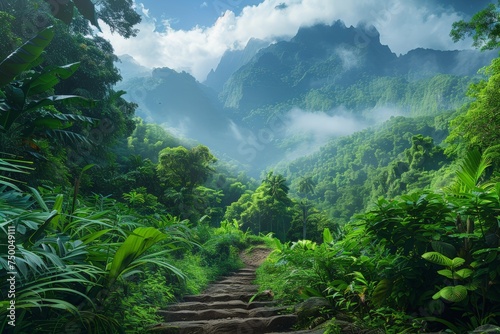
231 288
225 308
245 271
197 306
307 331
237 280
212 314
221 297
229 326
241 273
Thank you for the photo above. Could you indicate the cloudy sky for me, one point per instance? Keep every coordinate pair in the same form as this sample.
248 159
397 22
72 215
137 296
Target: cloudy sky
192 35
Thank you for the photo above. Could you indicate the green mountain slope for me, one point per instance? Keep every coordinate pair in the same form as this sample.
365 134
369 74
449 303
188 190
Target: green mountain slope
332 71
334 59
353 171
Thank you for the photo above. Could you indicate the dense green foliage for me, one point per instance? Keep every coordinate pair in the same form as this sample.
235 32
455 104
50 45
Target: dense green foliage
31 128
103 267
79 261
399 156
103 222
483 27
478 127
421 262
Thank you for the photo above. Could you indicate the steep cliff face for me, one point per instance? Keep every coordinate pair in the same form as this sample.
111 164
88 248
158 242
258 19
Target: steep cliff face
317 56
231 61
334 57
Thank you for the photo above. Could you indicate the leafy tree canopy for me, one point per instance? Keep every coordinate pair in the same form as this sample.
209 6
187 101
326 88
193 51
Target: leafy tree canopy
484 27
478 127
180 167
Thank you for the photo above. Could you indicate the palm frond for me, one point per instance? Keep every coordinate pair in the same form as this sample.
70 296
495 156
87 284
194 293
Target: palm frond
129 254
8 166
470 172
69 137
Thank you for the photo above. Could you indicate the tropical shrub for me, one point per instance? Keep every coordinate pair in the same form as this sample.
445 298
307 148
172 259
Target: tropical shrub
425 261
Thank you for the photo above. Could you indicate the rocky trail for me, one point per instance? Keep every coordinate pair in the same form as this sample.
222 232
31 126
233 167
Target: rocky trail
229 306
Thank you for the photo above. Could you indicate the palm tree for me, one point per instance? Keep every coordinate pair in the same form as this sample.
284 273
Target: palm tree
306 186
276 185
277 191
305 207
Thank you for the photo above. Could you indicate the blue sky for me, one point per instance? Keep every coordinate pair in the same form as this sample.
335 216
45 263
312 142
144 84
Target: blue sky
186 14
192 35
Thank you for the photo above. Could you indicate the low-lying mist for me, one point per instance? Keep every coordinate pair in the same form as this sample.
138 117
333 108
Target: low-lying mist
298 133
314 129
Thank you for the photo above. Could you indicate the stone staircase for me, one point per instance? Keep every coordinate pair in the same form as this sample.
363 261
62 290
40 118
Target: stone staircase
225 308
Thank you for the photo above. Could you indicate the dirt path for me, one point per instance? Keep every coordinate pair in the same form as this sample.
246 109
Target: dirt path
225 307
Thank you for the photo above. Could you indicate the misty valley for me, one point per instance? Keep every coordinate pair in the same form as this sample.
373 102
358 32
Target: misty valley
317 183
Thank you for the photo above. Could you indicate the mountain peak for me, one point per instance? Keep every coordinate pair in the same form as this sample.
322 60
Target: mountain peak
337 33
231 61
129 67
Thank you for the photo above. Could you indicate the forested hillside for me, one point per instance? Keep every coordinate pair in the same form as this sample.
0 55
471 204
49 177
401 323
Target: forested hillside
371 178
332 70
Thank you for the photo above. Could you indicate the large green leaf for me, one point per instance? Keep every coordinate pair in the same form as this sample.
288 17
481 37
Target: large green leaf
472 168
65 99
438 258
57 122
49 123
456 275
457 262
33 238
446 273
58 203
454 294
22 57
464 273
444 248
49 78
9 114
327 236
141 239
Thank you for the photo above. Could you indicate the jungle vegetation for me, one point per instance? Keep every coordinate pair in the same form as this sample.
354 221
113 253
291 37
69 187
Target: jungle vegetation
105 218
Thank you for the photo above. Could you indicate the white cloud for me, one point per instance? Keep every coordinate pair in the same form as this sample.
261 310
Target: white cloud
322 125
313 129
403 25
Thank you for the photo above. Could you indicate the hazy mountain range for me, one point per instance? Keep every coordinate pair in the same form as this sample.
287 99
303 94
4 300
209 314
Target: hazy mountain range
290 97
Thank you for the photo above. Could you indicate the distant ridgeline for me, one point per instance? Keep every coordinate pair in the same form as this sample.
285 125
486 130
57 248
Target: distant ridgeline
324 67
245 108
